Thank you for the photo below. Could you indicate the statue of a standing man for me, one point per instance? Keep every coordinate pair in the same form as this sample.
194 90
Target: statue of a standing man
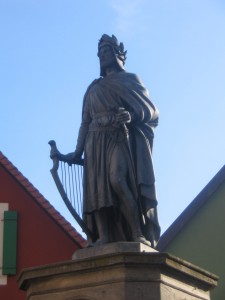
116 137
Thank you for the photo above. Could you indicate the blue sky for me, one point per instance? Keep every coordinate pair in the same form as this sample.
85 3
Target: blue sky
48 58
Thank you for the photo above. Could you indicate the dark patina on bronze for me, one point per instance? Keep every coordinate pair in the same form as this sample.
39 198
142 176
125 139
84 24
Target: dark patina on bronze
115 140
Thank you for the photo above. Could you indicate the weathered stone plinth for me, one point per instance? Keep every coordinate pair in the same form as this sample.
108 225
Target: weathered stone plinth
118 272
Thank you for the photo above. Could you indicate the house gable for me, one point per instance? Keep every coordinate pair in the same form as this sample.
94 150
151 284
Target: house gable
197 235
40 200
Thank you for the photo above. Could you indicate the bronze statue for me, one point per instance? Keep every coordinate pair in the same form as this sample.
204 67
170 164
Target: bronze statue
116 139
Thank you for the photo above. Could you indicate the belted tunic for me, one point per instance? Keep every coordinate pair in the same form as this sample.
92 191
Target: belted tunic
103 99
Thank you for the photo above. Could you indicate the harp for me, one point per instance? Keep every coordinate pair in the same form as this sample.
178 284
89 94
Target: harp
69 182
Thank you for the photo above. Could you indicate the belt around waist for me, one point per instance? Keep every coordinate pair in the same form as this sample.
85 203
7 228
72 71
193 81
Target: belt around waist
93 127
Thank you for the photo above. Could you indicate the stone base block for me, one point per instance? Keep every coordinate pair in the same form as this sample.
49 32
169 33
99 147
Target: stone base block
119 271
119 247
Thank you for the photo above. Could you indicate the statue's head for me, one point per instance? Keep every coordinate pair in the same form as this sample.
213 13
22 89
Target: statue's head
114 53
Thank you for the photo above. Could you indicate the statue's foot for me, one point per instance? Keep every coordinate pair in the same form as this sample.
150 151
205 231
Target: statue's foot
142 239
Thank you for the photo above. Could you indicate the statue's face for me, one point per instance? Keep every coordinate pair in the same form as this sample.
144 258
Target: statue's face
106 57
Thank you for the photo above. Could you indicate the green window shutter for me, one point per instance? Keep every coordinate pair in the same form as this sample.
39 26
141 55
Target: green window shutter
9 243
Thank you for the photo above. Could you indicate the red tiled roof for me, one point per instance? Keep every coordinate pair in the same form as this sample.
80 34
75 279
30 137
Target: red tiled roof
39 198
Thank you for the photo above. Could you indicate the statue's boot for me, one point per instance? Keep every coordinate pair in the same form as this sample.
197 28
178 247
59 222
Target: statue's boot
102 226
134 223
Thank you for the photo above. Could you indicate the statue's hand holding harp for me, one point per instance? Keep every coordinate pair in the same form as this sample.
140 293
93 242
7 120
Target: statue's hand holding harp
70 158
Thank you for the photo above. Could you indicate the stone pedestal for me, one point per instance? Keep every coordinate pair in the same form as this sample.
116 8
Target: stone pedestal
119 271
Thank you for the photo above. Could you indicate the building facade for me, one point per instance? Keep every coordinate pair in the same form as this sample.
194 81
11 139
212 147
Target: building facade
197 235
32 232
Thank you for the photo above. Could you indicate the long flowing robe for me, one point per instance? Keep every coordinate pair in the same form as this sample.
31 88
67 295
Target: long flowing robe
99 135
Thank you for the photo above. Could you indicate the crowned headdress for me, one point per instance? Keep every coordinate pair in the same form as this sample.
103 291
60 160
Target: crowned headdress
118 50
